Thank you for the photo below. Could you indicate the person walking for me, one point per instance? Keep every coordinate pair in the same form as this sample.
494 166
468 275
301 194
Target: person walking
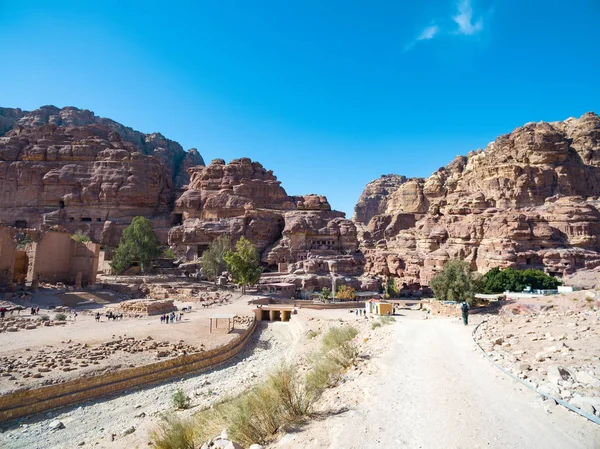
464 307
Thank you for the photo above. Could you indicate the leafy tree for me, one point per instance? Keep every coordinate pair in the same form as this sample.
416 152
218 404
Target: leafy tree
345 292
456 282
138 243
81 237
498 281
213 259
243 264
325 293
392 288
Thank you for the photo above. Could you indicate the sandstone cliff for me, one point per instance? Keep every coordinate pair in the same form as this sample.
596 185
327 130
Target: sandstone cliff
529 200
242 198
67 166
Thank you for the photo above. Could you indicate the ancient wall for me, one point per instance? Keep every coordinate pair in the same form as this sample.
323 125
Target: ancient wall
39 400
7 255
56 257
52 258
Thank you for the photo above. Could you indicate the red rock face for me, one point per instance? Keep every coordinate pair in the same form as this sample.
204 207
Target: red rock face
69 167
530 200
243 199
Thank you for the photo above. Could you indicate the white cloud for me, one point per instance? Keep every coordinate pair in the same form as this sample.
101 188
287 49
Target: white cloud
428 33
425 35
464 19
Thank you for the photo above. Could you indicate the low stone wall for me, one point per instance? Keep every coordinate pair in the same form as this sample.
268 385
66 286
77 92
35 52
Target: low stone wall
336 305
28 402
439 308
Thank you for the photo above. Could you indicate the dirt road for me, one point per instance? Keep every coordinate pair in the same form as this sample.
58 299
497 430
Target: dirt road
434 390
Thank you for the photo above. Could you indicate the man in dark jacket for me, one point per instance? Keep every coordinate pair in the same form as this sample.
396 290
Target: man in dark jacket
464 307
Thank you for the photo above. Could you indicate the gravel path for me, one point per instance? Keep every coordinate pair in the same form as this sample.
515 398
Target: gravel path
95 423
432 389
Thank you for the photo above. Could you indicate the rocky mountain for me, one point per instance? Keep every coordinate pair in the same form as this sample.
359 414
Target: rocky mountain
67 166
242 198
529 200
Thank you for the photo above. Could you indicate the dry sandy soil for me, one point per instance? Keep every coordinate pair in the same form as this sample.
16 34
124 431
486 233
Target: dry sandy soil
428 386
419 383
86 347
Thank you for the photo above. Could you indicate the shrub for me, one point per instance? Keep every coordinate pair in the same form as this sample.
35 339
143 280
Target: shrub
290 392
375 325
311 334
283 399
169 254
173 432
385 320
259 413
180 400
345 292
337 344
325 373
44 318
325 293
81 237
60 317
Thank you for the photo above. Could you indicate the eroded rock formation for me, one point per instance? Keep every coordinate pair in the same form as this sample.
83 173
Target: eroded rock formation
69 167
529 200
242 198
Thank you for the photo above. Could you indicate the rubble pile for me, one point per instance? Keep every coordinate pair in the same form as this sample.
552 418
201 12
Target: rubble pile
50 362
556 351
146 307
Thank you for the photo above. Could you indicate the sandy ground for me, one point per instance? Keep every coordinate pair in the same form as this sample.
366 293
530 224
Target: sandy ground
419 383
193 330
431 388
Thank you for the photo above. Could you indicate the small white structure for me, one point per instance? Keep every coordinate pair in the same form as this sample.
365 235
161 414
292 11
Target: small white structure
567 289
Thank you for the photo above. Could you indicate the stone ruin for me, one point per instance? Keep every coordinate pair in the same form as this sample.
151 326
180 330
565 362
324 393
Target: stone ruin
146 307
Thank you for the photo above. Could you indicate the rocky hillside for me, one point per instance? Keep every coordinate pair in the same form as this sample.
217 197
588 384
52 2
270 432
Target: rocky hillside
71 168
68 166
243 198
529 200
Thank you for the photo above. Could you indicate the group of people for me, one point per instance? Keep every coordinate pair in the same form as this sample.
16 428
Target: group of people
35 311
171 317
360 312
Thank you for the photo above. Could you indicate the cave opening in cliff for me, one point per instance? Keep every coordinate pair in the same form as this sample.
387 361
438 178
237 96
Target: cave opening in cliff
21 224
86 219
61 204
176 219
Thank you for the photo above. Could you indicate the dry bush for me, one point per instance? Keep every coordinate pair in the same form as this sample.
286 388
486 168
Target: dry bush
386 319
337 344
173 432
325 373
181 400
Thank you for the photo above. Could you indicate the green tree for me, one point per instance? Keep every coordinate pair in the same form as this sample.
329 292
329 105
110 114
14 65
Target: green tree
213 259
243 264
456 282
325 293
138 243
510 279
345 292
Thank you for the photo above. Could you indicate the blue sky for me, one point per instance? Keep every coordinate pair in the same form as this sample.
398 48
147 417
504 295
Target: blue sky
329 95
